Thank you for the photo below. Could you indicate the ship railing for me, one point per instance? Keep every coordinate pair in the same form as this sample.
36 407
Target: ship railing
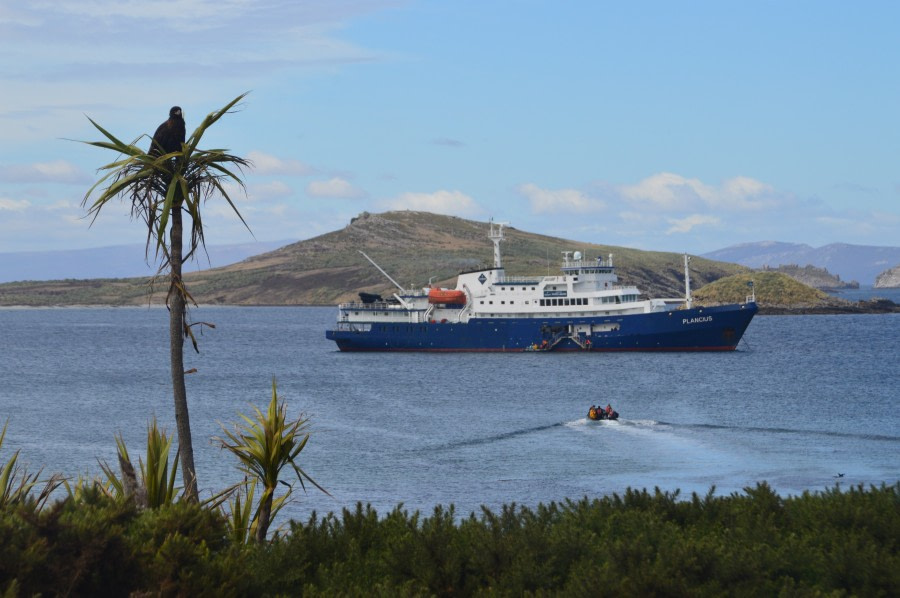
556 338
380 305
519 280
353 326
597 263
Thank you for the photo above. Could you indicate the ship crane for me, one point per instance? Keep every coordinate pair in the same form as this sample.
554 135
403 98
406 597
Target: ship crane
386 275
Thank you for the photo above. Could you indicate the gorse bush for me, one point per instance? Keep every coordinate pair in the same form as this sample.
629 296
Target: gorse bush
837 542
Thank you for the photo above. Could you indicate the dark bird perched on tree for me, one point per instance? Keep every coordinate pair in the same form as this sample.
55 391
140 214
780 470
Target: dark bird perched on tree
170 135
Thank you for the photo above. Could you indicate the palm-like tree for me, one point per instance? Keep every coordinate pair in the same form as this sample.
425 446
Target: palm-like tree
162 189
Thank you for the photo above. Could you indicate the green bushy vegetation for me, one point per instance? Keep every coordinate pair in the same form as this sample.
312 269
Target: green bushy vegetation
837 542
772 288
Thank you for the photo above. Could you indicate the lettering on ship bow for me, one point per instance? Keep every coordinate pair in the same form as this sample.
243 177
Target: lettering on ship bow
697 320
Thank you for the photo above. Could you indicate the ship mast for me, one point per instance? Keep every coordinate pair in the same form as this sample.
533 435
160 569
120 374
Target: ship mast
496 236
688 299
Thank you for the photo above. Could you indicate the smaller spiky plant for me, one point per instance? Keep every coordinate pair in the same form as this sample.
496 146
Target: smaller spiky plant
240 517
16 484
156 486
265 445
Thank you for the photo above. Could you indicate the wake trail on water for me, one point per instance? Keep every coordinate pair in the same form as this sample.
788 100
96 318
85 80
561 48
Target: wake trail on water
774 430
644 427
583 422
620 424
497 437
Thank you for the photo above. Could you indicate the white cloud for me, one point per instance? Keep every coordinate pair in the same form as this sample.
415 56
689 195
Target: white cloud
62 205
13 15
14 205
567 200
638 217
667 191
744 193
674 193
270 190
192 15
453 203
174 12
57 171
335 187
686 225
268 164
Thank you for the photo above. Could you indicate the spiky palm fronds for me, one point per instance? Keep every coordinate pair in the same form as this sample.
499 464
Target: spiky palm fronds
16 484
156 486
156 184
239 515
265 445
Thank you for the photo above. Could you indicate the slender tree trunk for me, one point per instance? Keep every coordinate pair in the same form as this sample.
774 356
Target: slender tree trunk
265 515
176 351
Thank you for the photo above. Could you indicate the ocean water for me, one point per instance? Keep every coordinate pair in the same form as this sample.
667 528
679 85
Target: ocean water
864 293
804 399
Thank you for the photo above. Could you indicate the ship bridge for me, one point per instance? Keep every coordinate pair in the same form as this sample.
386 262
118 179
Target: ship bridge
589 274
577 265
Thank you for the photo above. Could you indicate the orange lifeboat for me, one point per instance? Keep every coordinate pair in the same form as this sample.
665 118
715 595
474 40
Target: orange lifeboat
446 296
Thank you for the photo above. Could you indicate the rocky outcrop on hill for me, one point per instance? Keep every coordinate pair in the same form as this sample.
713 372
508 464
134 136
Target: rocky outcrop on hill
818 278
889 279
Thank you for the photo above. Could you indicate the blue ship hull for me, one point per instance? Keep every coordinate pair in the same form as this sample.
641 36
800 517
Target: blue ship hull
697 329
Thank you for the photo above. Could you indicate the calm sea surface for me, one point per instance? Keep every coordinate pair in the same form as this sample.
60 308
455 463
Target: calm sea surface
803 399
868 292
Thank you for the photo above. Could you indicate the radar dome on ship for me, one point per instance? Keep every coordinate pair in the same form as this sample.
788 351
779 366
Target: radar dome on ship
577 256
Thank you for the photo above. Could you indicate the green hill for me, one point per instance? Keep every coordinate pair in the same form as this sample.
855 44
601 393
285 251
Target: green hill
414 248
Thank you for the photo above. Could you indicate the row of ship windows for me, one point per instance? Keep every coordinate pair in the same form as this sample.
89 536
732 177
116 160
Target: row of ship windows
573 301
552 288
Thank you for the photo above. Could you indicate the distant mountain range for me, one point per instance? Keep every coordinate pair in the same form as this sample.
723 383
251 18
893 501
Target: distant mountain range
118 261
861 263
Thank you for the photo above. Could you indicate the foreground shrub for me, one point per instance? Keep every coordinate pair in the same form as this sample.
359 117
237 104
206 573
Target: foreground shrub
69 548
838 542
100 546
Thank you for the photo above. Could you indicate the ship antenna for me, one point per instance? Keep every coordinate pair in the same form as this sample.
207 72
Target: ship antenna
496 236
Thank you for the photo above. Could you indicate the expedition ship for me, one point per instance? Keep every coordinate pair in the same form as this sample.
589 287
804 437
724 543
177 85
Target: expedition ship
584 309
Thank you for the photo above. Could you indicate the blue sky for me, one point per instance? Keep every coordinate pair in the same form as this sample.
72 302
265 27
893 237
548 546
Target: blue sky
675 126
